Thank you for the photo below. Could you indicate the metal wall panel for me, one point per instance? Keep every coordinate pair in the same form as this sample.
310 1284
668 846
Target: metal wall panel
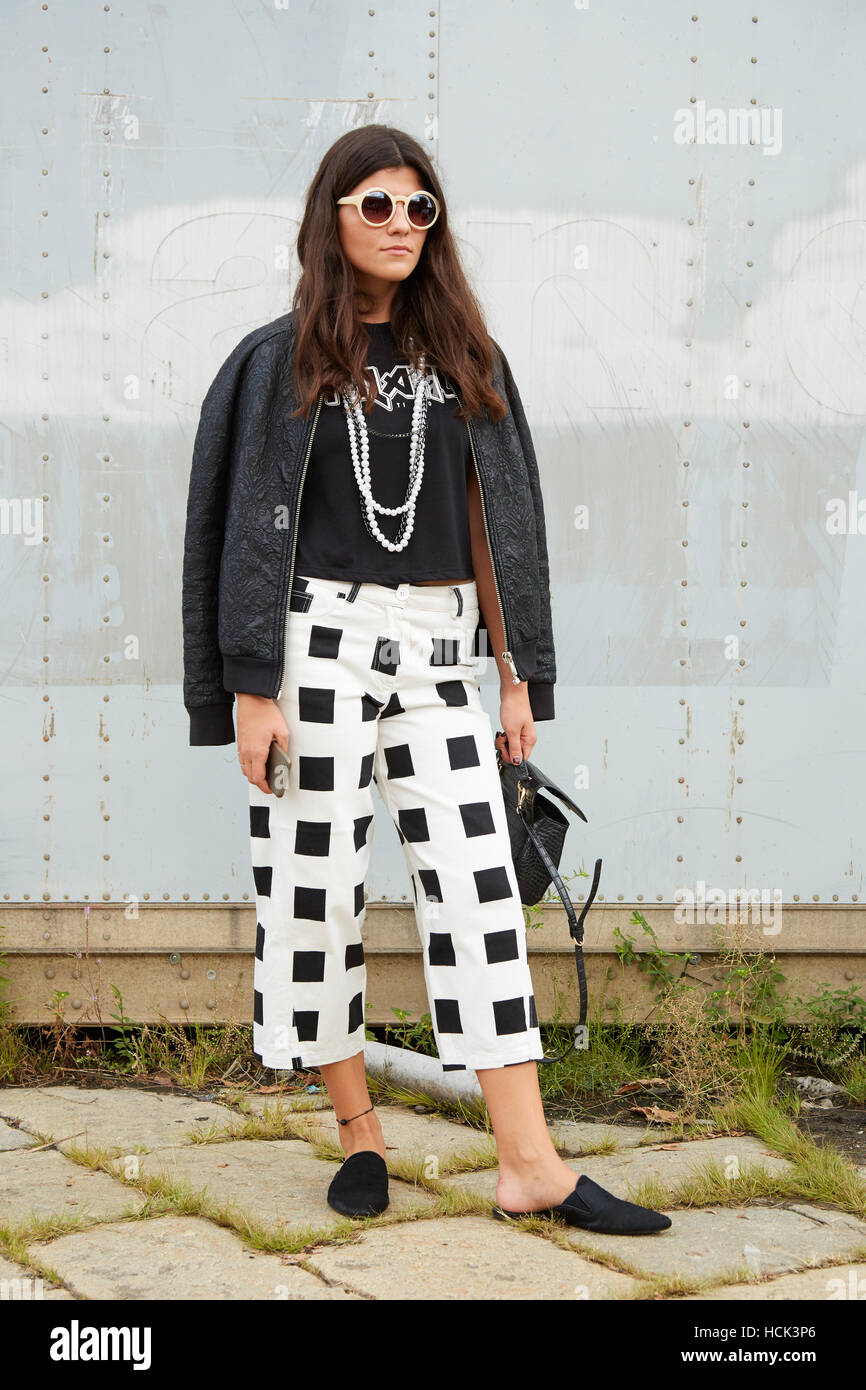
685 323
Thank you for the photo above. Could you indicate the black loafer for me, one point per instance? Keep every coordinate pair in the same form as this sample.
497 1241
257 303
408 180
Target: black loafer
596 1209
360 1185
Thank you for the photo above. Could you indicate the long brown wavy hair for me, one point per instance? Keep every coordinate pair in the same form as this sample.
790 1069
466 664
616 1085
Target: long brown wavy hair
435 305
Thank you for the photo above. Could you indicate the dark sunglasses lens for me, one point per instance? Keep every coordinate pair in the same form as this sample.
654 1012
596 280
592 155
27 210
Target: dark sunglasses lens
421 210
377 207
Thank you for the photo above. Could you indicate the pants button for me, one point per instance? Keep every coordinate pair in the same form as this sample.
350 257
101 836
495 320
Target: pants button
402 590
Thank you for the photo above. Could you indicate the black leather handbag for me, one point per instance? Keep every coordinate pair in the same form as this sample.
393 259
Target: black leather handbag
537 829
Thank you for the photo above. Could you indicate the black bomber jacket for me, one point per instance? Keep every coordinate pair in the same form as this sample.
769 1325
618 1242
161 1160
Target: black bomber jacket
248 467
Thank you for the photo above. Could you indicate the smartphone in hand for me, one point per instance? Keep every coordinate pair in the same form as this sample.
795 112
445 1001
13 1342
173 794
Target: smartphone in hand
277 769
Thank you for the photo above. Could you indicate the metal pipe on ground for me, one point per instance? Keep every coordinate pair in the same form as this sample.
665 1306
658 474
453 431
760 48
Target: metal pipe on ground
400 1066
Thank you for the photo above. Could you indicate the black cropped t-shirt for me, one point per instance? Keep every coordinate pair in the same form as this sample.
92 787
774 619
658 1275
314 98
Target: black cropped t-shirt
333 541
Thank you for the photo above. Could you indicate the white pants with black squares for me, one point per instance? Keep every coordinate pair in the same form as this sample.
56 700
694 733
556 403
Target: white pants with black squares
379 686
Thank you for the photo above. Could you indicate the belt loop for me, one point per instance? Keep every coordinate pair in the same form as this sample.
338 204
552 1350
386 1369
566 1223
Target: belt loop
459 597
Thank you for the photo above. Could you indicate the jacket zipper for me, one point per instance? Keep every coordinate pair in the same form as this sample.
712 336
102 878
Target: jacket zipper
284 598
506 655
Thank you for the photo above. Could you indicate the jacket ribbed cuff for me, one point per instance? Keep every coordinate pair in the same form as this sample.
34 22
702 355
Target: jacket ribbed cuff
541 699
211 724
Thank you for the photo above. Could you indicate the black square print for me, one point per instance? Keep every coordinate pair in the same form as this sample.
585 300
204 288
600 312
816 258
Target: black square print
412 823
362 825
392 707
259 817
354 954
260 941
356 1012
446 651
258 1007
509 1015
398 760
315 704
387 655
501 945
441 949
308 965
462 751
324 641
262 875
306 1021
430 884
370 707
477 818
447 1015
310 903
315 774
452 692
492 884
313 837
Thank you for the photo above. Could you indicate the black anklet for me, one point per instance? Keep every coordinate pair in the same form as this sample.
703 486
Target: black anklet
356 1117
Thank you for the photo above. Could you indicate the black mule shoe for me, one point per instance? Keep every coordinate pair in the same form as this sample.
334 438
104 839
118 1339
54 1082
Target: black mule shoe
360 1185
596 1209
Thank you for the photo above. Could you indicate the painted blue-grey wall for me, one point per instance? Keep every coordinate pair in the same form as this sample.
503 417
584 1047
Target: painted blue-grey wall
685 320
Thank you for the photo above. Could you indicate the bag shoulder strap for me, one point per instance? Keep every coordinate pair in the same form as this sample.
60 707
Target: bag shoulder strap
575 928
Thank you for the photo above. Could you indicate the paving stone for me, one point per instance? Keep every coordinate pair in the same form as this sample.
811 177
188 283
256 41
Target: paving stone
622 1173
14 1138
466 1257
47 1184
290 1101
120 1120
711 1242
276 1181
19 1284
577 1135
408 1135
839 1283
176 1257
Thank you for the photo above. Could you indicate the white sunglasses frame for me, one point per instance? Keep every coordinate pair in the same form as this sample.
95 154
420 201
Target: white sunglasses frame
356 200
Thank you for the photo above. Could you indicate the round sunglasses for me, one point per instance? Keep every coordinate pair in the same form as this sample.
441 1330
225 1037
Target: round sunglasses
377 206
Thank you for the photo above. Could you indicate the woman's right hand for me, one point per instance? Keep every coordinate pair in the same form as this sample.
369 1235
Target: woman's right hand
260 721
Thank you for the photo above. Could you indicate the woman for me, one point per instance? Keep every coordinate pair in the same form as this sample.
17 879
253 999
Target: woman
398 556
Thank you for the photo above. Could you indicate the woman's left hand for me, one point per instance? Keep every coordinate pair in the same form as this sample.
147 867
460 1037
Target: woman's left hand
515 715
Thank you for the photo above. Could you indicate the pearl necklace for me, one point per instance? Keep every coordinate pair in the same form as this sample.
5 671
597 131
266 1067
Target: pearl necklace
359 443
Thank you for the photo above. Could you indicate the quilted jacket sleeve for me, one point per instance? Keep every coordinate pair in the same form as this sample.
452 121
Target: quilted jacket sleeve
540 687
209 705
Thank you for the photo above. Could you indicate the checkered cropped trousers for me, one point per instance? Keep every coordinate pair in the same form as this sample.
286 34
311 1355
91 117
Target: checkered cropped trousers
380 687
